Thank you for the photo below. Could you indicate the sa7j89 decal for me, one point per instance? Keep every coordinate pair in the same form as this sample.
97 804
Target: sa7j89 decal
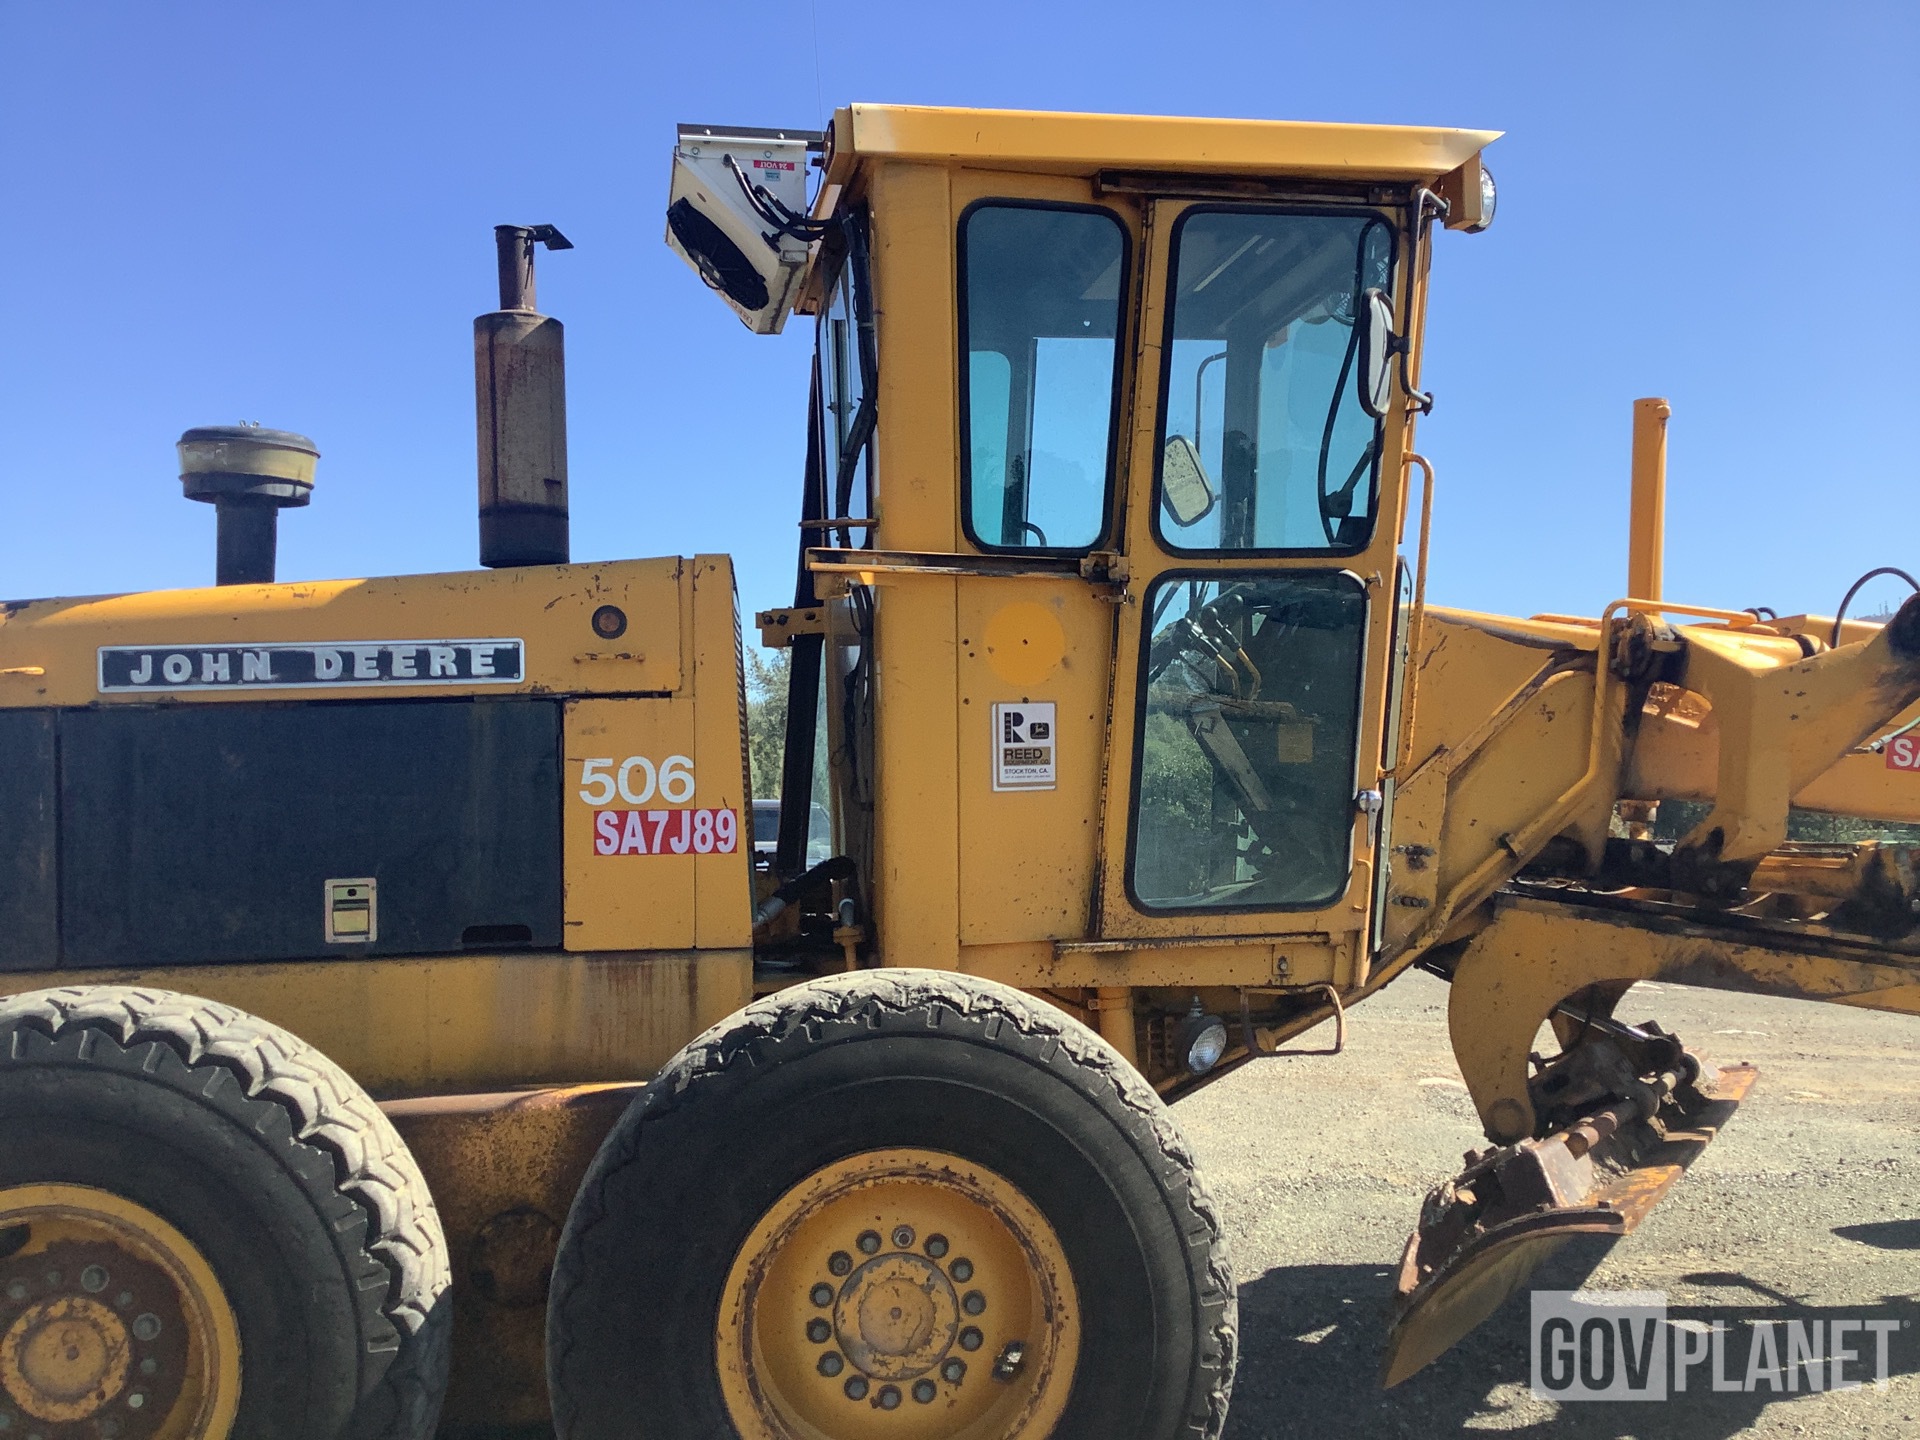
638 779
665 832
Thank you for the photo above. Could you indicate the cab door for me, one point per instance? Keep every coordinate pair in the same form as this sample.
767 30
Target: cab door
1261 516
1045 297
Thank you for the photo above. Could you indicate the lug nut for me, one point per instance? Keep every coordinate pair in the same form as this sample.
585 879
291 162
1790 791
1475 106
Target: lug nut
962 1270
123 1299
937 1246
973 1302
924 1391
889 1397
822 1295
903 1237
856 1387
831 1364
819 1331
136 1399
1010 1361
840 1262
146 1327
17 1290
954 1371
93 1279
149 1366
970 1338
869 1242
54 1277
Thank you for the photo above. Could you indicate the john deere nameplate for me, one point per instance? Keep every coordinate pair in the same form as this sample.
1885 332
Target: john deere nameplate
332 665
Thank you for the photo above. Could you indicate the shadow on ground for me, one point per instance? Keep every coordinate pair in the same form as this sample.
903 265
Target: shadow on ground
1312 1339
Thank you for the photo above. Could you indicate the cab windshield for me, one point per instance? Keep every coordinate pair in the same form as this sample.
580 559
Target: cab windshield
1258 390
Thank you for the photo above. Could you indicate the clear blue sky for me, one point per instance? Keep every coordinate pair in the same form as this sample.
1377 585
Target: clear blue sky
282 213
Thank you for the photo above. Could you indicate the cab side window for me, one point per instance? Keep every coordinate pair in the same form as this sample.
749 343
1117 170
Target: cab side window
846 361
1040 293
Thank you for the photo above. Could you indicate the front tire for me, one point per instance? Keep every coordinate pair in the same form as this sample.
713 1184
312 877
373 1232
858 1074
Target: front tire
902 1190
207 1230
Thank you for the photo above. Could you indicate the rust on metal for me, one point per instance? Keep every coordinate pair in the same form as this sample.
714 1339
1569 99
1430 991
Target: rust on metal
66 1350
1484 1232
503 1169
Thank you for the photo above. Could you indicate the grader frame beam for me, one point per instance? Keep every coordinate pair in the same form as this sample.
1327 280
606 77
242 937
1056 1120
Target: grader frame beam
1543 945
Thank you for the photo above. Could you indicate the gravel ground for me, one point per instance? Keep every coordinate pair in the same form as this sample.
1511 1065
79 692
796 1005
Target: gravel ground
1807 1207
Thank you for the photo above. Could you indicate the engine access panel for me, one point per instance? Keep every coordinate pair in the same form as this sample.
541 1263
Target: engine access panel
412 766
203 834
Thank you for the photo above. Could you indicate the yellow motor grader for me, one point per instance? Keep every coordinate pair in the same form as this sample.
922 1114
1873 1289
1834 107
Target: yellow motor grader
401 1031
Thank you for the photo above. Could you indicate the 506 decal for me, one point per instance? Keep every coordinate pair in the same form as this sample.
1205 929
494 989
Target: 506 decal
665 832
636 780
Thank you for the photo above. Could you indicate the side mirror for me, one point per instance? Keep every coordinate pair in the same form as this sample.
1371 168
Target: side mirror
1378 345
1186 494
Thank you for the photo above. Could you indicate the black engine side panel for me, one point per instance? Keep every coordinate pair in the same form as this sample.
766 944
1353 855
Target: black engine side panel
29 881
206 833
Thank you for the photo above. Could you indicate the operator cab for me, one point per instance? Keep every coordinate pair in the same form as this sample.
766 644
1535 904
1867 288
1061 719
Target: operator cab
1099 585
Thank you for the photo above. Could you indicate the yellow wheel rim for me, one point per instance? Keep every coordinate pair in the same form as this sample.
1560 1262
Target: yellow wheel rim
111 1322
899 1295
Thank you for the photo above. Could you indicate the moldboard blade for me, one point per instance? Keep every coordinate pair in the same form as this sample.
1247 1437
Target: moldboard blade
1483 1233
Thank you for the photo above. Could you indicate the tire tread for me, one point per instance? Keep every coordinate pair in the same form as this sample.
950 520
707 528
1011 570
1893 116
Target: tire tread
890 999
286 1082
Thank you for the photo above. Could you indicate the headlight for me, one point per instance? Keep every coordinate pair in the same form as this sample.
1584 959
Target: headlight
1489 199
1202 1040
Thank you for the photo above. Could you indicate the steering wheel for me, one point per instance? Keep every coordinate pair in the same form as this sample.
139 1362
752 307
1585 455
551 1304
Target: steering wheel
1037 533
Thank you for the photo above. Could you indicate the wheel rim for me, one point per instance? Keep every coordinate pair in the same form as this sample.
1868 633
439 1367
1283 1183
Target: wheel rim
112 1325
899 1295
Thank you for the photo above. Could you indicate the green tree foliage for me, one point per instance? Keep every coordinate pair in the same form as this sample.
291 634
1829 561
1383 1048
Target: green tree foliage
766 717
1176 803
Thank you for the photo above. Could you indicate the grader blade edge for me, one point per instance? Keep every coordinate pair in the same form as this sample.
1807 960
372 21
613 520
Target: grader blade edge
1484 1232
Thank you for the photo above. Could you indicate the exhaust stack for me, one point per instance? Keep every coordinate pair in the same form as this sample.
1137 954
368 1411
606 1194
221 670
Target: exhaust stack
249 475
520 381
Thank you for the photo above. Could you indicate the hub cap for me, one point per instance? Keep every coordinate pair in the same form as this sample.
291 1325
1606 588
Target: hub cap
112 1326
903 1294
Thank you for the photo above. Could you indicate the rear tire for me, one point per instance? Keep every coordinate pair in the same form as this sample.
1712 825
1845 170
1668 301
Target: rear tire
265 1169
861 1070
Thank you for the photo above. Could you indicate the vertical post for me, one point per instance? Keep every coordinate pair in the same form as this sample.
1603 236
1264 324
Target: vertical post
1113 1007
1646 526
1646 550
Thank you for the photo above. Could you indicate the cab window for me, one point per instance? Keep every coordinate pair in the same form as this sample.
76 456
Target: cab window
1245 793
1265 446
845 361
1040 293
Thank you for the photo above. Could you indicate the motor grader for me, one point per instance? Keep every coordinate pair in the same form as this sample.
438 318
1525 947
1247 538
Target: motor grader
399 1024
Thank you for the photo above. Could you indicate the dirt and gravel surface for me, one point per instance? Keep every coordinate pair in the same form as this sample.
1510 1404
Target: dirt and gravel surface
1808 1207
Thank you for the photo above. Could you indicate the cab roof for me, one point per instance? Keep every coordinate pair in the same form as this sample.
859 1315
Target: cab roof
1063 143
